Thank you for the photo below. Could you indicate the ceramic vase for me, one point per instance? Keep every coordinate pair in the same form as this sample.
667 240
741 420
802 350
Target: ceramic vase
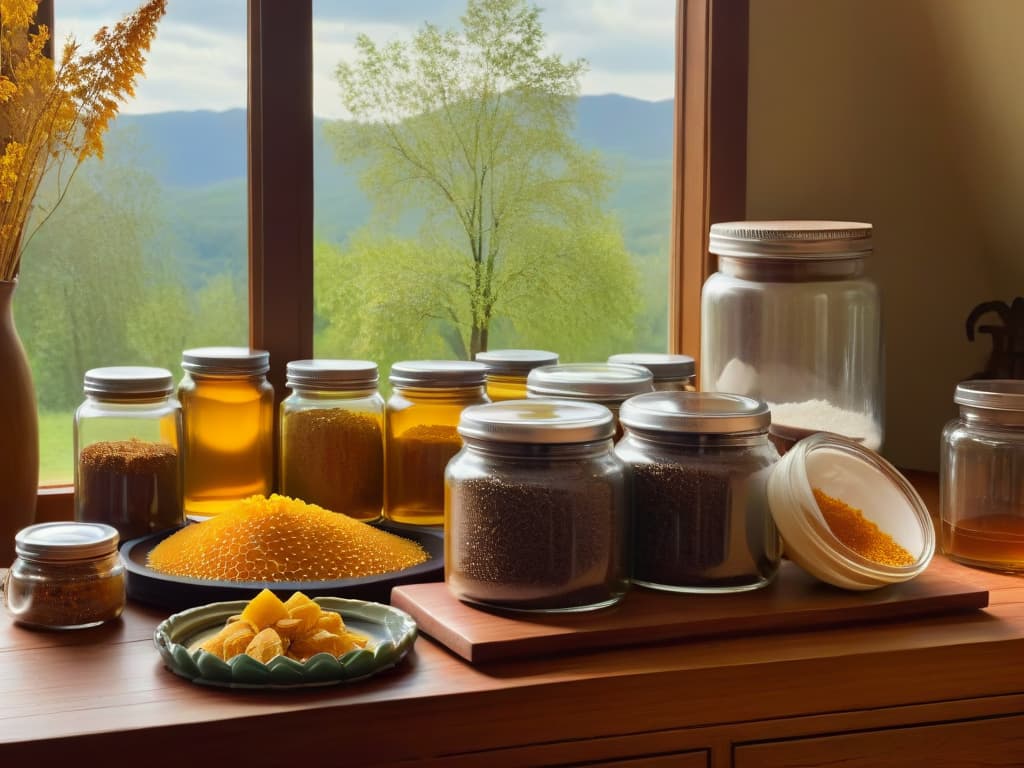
19 431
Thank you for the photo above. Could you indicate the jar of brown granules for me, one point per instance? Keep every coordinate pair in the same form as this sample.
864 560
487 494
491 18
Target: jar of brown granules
128 436
536 508
698 464
65 576
332 437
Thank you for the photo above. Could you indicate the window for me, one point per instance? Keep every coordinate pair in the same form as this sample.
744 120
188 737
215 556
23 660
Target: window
708 171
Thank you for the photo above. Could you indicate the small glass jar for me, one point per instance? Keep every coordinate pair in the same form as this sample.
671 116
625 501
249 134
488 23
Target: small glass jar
228 413
332 437
982 476
698 465
421 436
128 440
536 508
790 318
65 576
672 373
507 370
609 384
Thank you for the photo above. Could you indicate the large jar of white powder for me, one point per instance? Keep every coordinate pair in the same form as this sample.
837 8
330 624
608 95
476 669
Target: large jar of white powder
790 318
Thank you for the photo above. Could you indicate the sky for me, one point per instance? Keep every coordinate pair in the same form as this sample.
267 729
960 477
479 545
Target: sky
198 59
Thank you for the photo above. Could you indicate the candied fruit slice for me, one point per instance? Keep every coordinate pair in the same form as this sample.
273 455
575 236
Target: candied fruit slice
237 642
289 628
320 641
265 646
297 598
307 613
264 610
330 621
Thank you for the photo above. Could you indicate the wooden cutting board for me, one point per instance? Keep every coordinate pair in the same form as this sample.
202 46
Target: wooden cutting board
795 600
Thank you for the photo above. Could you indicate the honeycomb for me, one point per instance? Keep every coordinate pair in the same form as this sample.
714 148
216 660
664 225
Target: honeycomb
282 539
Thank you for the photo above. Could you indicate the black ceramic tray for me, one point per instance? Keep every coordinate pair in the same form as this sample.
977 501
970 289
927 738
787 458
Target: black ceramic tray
178 592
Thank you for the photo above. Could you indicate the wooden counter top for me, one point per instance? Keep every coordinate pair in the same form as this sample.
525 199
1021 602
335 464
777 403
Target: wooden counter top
105 691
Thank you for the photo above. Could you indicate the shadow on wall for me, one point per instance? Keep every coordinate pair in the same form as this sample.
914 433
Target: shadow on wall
1006 361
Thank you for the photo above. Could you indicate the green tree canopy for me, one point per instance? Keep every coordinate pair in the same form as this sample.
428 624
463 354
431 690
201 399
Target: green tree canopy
468 134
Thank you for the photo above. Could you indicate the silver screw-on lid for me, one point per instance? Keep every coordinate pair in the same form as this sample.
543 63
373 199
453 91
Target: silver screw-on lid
709 413
605 382
332 375
991 394
128 381
805 240
438 373
662 366
66 541
225 361
515 361
540 421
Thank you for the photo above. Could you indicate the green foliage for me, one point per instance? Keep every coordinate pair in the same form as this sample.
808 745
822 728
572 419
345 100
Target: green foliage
473 131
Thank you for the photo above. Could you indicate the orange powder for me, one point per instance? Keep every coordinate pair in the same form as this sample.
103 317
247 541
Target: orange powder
860 534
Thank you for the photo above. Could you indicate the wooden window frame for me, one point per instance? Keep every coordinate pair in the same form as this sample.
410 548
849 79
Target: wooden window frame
709 173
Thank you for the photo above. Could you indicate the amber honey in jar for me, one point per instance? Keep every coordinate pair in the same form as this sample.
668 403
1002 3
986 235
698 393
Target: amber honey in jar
228 415
507 370
332 437
423 413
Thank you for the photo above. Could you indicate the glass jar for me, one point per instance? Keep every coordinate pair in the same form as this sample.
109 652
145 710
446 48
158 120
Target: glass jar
609 384
672 373
790 318
982 476
507 370
228 413
65 576
698 464
427 398
536 509
128 439
332 437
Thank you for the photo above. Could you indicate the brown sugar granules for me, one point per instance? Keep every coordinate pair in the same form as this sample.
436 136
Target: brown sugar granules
860 534
282 539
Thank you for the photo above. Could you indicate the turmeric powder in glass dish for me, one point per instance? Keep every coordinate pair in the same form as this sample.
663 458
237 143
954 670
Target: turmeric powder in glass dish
847 516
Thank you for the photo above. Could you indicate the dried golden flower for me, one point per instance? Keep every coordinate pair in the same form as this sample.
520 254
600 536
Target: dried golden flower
53 116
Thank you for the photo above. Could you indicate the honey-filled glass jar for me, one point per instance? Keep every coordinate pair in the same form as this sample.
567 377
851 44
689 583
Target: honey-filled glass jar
228 415
332 437
421 434
507 370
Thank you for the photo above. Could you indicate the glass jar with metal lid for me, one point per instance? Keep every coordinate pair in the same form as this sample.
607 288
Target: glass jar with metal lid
698 464
128 446
332 437
228 412
672 373
507 370
422 416
609 384
536 509
65 576
790 318
982 476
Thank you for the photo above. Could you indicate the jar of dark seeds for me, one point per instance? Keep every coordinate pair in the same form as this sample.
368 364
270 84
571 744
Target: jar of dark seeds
128 431
536 508
332 437
698 464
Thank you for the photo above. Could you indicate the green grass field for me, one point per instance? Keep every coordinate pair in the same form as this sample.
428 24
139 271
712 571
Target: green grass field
56 448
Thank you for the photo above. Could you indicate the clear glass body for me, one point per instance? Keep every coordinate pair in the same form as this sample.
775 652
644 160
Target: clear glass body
229 440
536 527
128 467
701 521
332 450
505 387
804 336
70 594
981 486
420 439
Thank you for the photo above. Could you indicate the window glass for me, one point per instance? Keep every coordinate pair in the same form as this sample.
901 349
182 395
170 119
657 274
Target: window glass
492 174
146 255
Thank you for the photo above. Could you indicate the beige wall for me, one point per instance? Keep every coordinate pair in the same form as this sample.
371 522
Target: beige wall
908 114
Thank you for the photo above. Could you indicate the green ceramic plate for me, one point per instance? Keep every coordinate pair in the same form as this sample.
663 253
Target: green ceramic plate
392 633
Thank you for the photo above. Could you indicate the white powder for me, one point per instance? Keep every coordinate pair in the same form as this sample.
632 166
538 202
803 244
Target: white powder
821 416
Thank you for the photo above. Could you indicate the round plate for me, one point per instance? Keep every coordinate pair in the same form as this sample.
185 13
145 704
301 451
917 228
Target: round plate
392 633
175 593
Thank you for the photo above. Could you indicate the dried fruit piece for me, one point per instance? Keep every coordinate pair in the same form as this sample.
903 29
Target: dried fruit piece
264 609
330 621
265 646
